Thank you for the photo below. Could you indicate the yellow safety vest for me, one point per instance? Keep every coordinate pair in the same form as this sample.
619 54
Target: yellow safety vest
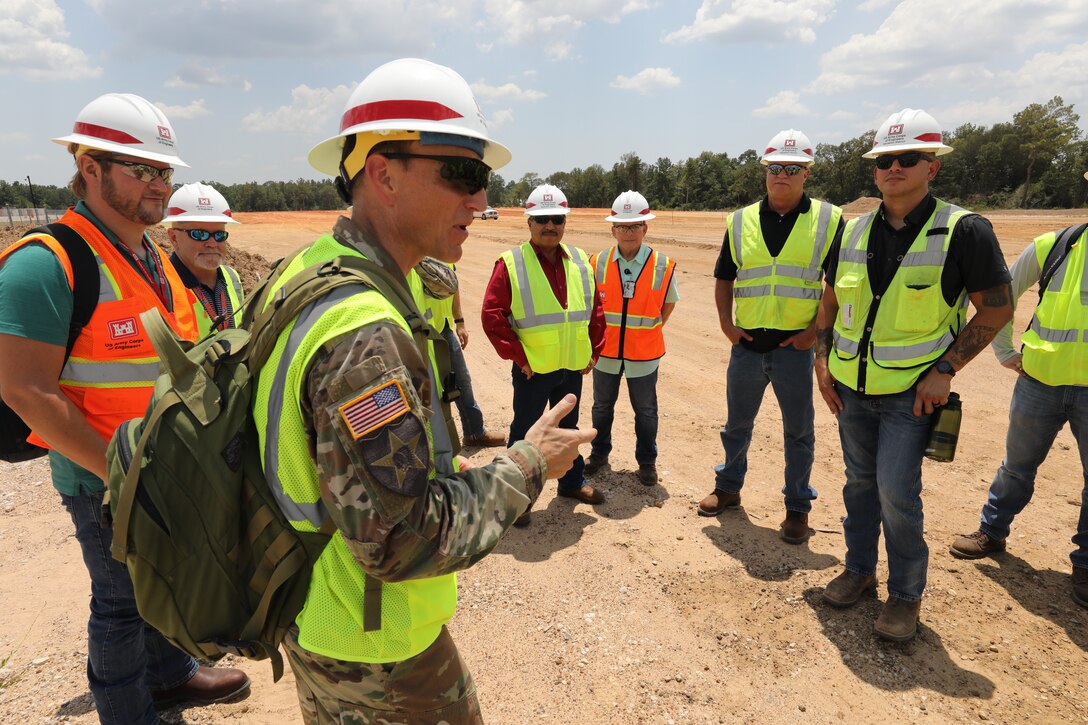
331 622
883 343
1055 346
783 292
553 338
235 294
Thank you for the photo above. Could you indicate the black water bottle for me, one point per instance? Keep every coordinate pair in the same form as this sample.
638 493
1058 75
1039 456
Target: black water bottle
945 432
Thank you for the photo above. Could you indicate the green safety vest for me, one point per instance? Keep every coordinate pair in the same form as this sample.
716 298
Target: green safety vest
331 622
235 294
438 312
783 292
553 338
1055 346
883 343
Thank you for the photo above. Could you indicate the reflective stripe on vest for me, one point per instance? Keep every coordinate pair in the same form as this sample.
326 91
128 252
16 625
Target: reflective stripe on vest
633 326
113 366
1055 345
882 345
553 338
331 621
781 292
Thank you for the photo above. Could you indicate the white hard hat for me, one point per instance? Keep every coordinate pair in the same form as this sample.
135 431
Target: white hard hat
789 146
399 100
198 203
630 206
1086 175
123 123
546 199
908 130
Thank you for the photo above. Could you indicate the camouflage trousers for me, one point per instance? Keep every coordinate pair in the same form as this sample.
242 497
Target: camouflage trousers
432 688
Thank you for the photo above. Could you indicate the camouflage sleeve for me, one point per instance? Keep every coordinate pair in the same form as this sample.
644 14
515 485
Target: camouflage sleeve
366 423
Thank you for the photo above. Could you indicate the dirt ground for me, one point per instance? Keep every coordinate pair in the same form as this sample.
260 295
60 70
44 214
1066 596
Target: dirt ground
638 610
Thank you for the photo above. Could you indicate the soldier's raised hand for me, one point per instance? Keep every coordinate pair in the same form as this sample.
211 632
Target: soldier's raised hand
559 445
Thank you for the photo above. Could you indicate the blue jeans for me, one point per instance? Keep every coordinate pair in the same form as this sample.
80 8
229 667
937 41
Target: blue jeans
643 394
882 446
532 396
789 372
1037 413
126 657
472 418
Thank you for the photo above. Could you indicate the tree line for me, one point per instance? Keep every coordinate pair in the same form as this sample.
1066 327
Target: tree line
1036 160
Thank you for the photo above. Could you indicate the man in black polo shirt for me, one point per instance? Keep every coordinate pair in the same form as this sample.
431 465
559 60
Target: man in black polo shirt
891 333
771 267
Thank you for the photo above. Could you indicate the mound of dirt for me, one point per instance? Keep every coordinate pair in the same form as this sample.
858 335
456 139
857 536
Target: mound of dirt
251 267
861 205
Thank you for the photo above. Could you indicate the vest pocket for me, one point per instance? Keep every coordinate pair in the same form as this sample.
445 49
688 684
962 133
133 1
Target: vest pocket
918 308
848 288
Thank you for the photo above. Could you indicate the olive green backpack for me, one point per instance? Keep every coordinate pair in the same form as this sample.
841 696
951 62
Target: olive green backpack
215 565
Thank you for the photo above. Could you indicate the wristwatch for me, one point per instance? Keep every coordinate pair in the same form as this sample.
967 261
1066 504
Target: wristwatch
945 368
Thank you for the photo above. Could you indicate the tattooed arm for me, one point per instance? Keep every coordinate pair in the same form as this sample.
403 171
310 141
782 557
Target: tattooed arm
993 309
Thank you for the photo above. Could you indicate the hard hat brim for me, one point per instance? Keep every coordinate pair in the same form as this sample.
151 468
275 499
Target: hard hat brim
938 149
119 148
619 219
786 159
210 218
547 211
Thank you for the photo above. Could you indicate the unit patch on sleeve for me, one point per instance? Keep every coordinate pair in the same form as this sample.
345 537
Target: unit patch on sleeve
376 407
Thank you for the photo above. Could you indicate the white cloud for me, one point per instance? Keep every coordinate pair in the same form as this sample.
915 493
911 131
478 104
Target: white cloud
507 90
842 116
310 108
549 25
32 43
783 104
559 50
755 21
284 28
500 118
926 40
647 80
196 109
870 5
192 75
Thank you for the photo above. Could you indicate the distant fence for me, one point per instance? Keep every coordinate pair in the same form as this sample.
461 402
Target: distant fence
13 216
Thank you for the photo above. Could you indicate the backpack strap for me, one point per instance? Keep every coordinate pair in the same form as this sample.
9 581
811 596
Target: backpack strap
1058 253
84 277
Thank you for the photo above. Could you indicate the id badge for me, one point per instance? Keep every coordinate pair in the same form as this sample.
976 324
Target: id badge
848 315
628 289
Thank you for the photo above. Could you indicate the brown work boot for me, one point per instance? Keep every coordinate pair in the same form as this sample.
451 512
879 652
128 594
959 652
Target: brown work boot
794 529
486 440
208 685
595 464
717 502
647 474
1080 586
847 588
898 620
585 494
976 546
524 520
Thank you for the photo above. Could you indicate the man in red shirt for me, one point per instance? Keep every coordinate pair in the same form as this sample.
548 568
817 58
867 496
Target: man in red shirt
541 311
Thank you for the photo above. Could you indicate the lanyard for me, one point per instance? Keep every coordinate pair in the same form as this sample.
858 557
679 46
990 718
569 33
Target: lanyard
157 281
211 308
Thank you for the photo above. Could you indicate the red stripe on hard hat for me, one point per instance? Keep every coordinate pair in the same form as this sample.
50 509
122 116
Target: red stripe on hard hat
644 211
529 204
387 110
770 150
176 211
808 151
563 204
929 137
106 134
226 212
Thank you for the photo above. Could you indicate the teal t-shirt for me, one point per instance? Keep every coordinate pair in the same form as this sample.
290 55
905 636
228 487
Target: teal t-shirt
35 278
634 368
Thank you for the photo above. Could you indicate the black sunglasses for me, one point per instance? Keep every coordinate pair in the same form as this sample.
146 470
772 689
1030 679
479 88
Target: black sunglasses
203 235
906 161
463 173
556 219
790 169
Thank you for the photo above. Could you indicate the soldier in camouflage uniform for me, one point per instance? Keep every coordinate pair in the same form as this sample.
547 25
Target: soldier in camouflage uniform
378 460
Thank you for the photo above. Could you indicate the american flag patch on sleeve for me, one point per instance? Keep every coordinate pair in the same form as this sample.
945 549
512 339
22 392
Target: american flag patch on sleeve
374 408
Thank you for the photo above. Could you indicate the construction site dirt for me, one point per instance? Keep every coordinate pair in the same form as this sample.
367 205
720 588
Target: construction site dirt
639 610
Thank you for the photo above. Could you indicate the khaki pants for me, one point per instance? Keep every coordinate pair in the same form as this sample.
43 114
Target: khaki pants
432 688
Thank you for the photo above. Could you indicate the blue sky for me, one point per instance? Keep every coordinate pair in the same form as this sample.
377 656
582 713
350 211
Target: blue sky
251 85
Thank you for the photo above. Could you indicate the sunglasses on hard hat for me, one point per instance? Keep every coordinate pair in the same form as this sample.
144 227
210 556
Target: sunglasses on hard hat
463 173
203 235
906 161
142 172
556 219
790 169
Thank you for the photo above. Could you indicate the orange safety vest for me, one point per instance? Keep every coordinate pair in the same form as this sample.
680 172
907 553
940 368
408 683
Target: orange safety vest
112 369
633 325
